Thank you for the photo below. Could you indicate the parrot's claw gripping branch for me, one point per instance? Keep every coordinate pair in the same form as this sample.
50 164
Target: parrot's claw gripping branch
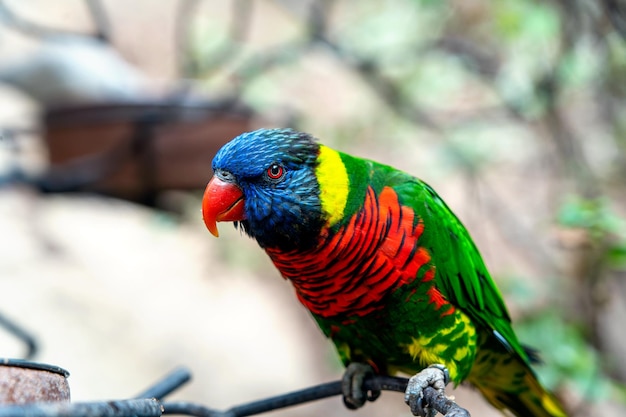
352 385
436 376
424 392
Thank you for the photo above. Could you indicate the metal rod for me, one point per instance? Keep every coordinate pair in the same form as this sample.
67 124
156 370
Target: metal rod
22 334
168 384
438 401
185 408
317 392
123 408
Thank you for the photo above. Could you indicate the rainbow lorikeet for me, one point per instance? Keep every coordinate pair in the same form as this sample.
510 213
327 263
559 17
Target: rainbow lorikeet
386 269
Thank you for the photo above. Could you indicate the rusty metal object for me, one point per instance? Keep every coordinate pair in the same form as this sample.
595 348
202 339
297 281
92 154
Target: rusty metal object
136 150
24 382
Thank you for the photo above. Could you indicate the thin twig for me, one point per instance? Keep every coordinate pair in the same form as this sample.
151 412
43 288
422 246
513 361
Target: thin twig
370 71
184 13
616 14
191 66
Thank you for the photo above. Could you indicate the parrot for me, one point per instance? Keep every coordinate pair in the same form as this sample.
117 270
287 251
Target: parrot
387 271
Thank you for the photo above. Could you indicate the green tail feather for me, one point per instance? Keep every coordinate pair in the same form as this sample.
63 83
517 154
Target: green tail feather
535 401
508 382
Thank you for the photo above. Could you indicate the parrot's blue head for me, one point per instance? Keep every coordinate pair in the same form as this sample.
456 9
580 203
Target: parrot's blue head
265 181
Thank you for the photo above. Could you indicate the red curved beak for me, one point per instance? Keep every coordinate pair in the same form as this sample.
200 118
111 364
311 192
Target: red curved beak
222 202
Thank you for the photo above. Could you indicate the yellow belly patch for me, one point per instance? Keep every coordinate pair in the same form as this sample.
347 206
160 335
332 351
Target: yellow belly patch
440 346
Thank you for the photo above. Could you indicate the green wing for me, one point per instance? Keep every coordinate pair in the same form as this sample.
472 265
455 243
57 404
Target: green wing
461 273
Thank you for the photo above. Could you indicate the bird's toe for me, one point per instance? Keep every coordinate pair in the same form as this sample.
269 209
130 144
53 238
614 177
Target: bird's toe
354 395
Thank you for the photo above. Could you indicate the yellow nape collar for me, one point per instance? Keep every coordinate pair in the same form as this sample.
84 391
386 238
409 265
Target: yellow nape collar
334 184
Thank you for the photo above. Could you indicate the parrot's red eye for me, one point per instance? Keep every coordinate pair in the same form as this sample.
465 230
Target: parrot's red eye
275 172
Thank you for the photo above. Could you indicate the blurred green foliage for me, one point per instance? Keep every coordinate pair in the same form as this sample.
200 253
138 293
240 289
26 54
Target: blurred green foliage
565 354
604 226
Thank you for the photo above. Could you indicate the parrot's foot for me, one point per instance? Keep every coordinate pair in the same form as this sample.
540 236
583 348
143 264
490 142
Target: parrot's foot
435 376
354 396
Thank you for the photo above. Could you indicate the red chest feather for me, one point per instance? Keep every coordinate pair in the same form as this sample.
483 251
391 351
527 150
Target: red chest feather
349 272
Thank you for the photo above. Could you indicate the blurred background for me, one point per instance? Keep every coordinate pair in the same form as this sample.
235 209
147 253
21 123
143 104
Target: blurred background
111 111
